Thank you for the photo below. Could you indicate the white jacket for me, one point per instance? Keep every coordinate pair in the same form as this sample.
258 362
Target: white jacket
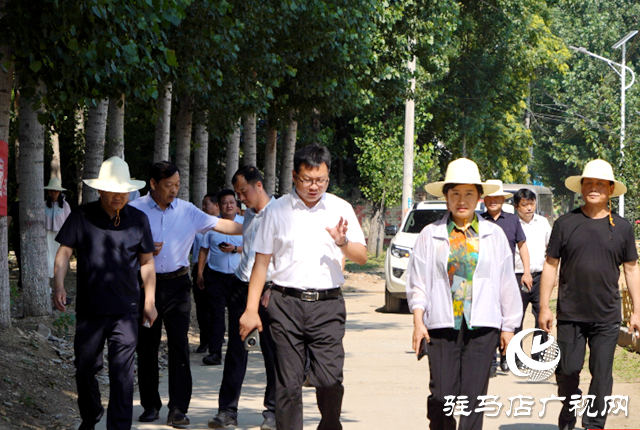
496 300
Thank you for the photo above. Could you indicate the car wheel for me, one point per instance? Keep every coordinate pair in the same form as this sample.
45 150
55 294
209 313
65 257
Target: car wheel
392 304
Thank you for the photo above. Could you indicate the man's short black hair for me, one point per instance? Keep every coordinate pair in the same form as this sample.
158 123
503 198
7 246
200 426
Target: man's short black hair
523 193
213 198
226 192
163 170
448 187
251 174
312 156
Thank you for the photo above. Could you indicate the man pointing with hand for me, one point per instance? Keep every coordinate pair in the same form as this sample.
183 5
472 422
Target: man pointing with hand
307 233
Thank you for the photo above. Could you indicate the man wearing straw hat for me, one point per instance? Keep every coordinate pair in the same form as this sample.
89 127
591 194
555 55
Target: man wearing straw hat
510 224
174 224
592 243
111 239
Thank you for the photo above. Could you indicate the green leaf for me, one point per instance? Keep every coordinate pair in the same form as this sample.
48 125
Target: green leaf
172 61
73 44
35 66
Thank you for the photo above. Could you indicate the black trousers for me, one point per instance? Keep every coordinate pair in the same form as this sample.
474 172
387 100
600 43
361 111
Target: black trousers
532 297
235 361
572 340
214 286
202 308
316 328
459 364
121 334
173 302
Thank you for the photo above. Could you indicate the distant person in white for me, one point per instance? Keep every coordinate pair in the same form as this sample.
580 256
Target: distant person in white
307 233
537 230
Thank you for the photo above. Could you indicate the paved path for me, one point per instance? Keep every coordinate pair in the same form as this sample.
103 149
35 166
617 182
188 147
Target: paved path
385 387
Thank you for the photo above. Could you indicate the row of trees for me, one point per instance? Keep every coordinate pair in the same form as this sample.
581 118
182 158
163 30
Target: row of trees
211 85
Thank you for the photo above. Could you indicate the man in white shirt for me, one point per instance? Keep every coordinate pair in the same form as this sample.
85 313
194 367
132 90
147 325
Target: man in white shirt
247 182
537 230
307 233
218 259
174 224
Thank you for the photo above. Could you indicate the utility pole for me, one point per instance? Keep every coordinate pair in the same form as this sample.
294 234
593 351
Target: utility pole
623 88
409 126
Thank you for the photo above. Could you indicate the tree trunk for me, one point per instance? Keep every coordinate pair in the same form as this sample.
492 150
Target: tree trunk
184 125
94 147
115 145
316 125
200 157
249 157
5 117
288 149
55 159
376 231
163 126
33 240
233 156
270 161
16 143
78 139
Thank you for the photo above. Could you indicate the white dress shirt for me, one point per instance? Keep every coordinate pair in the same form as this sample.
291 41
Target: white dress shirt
538 232
252 221
176 226
495 301
304 254
223 262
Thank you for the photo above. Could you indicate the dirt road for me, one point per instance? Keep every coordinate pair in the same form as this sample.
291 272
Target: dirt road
385 387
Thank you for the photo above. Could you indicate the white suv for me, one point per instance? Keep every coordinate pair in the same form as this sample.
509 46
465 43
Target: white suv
401 246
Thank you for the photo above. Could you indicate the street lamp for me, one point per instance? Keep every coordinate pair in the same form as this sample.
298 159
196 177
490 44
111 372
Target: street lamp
623 87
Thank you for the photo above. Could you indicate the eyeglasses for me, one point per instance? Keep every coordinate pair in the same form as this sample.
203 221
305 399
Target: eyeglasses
308 182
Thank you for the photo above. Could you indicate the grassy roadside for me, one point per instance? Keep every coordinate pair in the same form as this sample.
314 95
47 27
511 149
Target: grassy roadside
373 264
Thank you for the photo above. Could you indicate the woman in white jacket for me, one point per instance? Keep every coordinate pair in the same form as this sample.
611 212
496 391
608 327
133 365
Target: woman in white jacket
56 211
462 291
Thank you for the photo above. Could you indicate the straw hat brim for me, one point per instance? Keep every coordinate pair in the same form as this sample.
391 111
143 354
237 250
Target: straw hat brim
55 188
114 186
435 188
574 184
503 194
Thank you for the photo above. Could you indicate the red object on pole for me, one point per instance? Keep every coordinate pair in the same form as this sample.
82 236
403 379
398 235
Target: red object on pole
4 176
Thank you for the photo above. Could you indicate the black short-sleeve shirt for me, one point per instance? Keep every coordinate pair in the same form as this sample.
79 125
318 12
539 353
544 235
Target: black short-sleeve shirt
107 257
510 224
590 252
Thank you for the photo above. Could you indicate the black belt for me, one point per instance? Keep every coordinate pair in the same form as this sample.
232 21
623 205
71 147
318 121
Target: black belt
309 295
171 275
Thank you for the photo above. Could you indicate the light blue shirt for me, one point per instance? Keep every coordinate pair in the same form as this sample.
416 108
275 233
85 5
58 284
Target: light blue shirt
176 227
195 250
252 221
223 262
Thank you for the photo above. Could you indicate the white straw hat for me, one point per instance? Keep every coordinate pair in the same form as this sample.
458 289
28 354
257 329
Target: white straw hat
115 177
500 192
597 169
460 171
55 184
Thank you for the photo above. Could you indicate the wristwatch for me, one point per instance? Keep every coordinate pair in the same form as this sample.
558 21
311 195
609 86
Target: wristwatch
235 250
346 240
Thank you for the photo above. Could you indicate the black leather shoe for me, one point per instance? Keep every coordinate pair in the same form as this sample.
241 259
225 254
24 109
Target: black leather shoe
223 421
149 415
503 363
177 418
212 360
201 349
